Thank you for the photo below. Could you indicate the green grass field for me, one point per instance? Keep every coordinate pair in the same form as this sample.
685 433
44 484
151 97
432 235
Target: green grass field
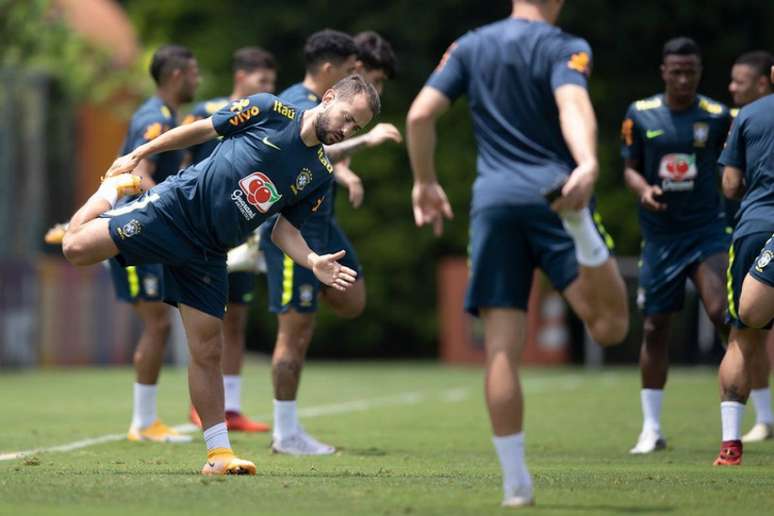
413 438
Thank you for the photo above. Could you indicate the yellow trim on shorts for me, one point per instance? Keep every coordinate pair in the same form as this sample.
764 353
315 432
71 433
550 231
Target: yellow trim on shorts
287 280
730 283
609 242
134 280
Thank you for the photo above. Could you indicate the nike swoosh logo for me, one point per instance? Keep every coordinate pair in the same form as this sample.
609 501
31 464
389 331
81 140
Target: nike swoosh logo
317 204
654 134
211 464
267 142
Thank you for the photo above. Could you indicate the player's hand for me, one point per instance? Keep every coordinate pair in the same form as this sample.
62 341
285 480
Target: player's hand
382 133
649 199
123 164
345 176
430 206
330 272
578 189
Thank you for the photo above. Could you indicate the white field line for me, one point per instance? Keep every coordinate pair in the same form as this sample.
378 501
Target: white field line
453 395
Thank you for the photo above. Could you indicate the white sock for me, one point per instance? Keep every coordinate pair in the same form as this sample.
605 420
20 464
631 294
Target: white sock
590 249
232 387
216 436
651 409
285 419
510 451
144 413
731 413
762 402
107 192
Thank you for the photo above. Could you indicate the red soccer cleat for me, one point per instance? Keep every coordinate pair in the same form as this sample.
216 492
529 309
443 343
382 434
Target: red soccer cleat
194 417
730 454
238 422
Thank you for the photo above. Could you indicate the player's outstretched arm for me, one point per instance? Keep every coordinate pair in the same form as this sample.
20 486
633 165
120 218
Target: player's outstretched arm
177 138
428 199
347 177
325 267
733 183
579 128
380 134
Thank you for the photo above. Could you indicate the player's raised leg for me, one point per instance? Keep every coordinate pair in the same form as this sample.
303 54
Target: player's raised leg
205 382
87 240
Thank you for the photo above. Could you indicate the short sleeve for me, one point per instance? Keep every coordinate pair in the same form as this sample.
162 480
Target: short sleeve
451 75
571 64
242 113
297 213
631 138
733 154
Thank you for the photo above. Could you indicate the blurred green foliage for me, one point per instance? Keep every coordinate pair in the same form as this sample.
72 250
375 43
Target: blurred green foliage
35 37
400 260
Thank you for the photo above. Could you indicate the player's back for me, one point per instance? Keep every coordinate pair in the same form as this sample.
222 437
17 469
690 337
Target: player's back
751 148
509 71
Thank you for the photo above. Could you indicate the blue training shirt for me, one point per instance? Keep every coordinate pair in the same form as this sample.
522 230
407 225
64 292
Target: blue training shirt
260 168
509 71
151 120
750 148
678 151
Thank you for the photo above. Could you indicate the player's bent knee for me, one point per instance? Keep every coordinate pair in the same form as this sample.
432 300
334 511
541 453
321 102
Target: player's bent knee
754 316
350 310
74 251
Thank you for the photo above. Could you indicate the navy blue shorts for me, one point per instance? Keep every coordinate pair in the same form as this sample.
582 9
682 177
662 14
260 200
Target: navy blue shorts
241 286
192 276
294 286
748 254
665 265
507 243
137 282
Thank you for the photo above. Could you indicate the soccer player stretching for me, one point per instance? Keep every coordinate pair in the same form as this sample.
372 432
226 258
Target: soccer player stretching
671 144
271 161
750 82
748 173
534 125
255 71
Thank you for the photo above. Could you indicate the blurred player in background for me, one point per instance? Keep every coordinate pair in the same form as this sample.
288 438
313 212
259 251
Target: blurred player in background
255 71
749 82
671 144
176 74
526 83
293 289
748 174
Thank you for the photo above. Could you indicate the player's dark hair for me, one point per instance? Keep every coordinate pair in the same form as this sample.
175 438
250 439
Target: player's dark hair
376 53
681 46
249 59
355 85
759 60
167 59
328 46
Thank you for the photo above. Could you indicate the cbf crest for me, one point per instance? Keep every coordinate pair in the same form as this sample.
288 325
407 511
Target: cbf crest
700 134
304 178
128 230
763 260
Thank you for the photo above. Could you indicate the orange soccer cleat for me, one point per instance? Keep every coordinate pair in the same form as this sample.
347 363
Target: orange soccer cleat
125 184
730 454
238 422
222 461
55 234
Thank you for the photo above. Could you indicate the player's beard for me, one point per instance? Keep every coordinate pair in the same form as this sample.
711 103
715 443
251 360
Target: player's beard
324 132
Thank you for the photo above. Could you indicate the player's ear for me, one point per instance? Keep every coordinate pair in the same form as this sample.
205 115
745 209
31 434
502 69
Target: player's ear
329 96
